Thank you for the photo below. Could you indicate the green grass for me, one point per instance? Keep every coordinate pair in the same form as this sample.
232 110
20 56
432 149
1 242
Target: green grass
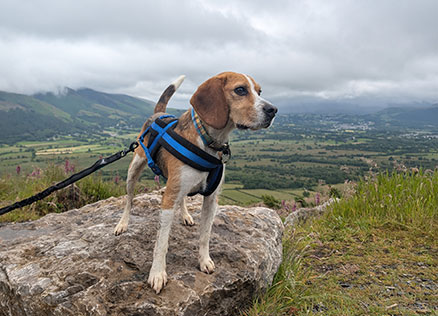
88 190
281 195
235 194
375 253
238 197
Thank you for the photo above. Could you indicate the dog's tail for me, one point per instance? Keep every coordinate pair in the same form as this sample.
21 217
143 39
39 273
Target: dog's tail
167 94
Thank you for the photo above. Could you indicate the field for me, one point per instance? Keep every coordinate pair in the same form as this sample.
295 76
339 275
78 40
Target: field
235 193
79 151
300 153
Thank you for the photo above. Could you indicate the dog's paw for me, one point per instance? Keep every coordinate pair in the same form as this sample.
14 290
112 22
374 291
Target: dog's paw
157 280
206 265
120 228
187 220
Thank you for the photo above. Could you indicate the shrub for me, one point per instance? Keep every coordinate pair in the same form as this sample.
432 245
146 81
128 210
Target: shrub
271 201
334 193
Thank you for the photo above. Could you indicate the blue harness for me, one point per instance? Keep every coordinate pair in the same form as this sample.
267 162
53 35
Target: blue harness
162 134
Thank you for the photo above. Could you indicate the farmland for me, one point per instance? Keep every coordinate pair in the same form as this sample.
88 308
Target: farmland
302 152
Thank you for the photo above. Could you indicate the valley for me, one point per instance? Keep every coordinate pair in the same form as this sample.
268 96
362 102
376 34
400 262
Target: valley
300 153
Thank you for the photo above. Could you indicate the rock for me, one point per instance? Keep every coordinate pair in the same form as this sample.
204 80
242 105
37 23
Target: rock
304 213
72 264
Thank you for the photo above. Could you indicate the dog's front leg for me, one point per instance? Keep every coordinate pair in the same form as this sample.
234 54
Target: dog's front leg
208 212
172 198
158 276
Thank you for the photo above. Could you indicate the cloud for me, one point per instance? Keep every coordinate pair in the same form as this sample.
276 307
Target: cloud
329 49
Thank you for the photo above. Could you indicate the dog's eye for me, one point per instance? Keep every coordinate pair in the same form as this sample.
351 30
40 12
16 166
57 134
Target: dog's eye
260 91
241 91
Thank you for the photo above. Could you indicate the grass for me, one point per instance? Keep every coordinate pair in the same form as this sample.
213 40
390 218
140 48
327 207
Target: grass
88 190
238 197
374 253
75 149
281 195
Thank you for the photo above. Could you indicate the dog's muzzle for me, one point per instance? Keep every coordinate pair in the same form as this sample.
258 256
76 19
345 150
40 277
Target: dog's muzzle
269 111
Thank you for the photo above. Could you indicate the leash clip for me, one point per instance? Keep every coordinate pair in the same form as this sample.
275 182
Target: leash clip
132 147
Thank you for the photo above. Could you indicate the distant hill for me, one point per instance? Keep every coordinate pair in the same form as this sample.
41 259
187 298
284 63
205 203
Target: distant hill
24 117
357 106
410 116
98 107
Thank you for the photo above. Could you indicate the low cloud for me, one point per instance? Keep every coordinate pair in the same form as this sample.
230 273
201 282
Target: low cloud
324 49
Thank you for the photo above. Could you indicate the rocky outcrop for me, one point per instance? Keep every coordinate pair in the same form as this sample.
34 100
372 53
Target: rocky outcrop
304 213
72 264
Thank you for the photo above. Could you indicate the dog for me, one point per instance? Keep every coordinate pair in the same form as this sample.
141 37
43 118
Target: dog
224 102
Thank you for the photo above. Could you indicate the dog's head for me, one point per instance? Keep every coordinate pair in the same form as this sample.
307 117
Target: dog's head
233 97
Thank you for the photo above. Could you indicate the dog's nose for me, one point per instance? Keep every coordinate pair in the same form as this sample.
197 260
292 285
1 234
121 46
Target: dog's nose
269 109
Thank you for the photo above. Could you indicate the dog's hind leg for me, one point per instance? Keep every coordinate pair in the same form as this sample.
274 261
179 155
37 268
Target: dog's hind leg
134 172
187 219
173 198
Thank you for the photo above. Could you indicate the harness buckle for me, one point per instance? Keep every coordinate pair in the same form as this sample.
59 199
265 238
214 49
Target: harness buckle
154 168
226 153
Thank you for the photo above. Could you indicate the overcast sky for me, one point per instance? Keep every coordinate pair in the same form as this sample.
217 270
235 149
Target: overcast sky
326 49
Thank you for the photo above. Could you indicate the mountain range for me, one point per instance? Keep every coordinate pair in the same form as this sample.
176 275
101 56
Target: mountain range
43 115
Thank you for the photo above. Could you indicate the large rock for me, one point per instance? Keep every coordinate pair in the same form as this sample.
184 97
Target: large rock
72 264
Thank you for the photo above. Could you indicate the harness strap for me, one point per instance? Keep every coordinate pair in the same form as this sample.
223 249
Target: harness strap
213 180
162 134
155 135
188 153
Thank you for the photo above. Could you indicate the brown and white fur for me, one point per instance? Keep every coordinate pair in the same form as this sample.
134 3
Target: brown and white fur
223 102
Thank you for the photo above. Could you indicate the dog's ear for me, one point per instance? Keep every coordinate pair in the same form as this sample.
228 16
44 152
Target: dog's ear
210 104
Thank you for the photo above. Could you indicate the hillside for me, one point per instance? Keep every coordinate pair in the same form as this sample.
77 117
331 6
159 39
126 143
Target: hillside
99 107
25 117
372 253
40 116
408 116
428 115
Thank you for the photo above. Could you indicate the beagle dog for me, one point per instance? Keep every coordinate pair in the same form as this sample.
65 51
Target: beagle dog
224 102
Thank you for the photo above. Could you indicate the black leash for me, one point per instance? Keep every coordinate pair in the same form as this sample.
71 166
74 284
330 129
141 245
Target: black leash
77 176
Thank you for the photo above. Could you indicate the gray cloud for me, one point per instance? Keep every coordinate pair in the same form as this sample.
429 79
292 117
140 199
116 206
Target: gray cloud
326 49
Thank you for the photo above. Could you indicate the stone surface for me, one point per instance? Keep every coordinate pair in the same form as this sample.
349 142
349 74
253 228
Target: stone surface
72 264
304 213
